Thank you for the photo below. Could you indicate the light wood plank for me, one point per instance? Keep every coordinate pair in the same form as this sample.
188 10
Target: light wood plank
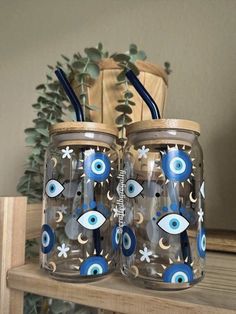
33 220
12 250
216 293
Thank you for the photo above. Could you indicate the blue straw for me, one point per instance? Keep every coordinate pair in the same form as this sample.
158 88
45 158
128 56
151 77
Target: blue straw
144 94
70 93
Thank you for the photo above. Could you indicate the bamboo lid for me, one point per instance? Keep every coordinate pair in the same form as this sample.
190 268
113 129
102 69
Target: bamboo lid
163 124
76 127
143 66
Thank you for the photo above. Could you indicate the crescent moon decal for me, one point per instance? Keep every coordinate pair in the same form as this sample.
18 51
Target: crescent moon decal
60 216
109 197
162 246
54 161
52 266
193 200
80 239
140 215
134 270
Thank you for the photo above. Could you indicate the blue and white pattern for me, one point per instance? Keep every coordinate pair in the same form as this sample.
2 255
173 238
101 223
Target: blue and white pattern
128 241
92 219
47 239
178 273
201 243
173 223
177 165
53 188
97 166
94 266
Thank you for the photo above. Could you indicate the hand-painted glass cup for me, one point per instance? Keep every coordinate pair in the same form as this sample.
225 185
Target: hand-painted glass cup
79 231
163 240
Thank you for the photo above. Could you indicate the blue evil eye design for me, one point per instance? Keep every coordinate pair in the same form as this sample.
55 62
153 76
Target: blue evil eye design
92 220
93 266
97 166
115 237
128 241
178 273
177 165
173 223
47 239
53 188
201 243
132 188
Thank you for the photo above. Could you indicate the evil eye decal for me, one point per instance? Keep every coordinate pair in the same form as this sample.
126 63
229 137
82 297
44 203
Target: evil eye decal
115 237
93 266
178 273
201 243
128 241
53 188
91 220
47 239
132 188
177 165
173 223
97 166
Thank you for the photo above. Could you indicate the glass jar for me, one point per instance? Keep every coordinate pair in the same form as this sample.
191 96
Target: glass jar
79 228
163 240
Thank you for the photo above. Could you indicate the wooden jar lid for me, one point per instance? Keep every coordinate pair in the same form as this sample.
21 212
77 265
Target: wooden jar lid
76 127
163 124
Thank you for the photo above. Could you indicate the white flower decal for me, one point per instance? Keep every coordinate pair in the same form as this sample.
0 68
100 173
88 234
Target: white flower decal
142 152
63 249
145 254
62 209
200 214
66 152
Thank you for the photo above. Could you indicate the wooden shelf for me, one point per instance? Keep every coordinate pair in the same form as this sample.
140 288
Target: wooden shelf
215 294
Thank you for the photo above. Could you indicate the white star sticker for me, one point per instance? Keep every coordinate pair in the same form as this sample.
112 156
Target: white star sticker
66 152
143 152
200 214
115 210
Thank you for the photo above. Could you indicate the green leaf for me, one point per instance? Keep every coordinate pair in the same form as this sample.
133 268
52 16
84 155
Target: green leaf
133 67
141 55
132 103
81 77
123 119
133 49
33 170
121 57
93 54
53 86
93 70
124 108
121 76
79 64
65 58
43 132
128 94
36 106
50 67
49 77
30 140
41 86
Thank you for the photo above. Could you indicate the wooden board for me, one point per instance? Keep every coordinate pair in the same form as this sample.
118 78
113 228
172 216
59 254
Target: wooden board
215 294
12 250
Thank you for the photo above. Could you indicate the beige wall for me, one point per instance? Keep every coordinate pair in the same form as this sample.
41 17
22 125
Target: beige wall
198 37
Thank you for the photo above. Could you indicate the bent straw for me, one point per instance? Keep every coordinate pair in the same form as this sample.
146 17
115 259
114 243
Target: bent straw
70 93
144 94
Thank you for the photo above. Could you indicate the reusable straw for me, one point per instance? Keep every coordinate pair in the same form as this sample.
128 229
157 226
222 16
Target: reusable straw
185 246
144 94
70 93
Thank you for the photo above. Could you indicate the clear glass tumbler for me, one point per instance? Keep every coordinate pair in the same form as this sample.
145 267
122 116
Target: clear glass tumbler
163 240
79 231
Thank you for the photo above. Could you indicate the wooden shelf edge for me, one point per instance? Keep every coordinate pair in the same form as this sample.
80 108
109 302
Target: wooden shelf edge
214 295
